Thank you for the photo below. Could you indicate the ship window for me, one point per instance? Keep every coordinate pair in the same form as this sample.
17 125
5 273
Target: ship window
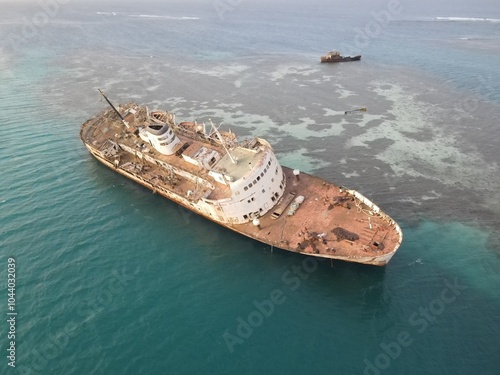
253 199
262 174
245 217
272 179
245 188
250 185
273 199
263 190
276 170
269 163
254 182
258 178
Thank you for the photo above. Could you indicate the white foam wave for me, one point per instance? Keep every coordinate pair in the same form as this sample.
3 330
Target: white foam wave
467 19
163 17
150 16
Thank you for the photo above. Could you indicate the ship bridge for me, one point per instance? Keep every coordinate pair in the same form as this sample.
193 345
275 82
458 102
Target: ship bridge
231 168
255 183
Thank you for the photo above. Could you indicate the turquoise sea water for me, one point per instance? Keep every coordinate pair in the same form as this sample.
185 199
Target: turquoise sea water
112 279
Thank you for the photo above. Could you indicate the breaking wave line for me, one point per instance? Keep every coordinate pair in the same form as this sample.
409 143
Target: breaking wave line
151 16
467 19
163 17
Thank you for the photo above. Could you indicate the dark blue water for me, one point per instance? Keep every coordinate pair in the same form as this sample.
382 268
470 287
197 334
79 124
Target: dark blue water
111 279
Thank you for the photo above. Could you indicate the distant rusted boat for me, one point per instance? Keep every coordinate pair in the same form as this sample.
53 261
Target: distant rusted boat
335 56
240 185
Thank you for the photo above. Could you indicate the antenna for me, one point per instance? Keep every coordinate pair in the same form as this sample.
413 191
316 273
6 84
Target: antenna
222 141
112 106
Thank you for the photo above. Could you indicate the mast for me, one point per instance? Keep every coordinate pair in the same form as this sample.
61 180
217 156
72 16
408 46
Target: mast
112 106
223 143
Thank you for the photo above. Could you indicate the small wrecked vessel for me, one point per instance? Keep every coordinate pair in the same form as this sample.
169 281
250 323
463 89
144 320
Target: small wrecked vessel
335 56
240 185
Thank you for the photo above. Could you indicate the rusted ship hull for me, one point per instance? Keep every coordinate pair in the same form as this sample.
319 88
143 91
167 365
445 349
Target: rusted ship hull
328 59
364 233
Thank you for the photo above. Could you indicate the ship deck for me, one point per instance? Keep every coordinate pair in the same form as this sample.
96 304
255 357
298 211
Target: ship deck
105 126
332 222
